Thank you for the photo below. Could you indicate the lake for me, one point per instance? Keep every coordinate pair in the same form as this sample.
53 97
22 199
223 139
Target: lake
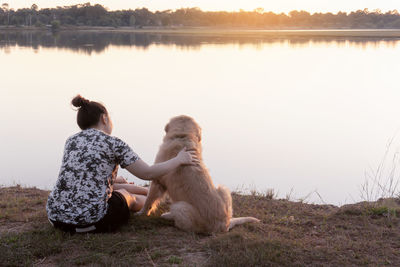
308 117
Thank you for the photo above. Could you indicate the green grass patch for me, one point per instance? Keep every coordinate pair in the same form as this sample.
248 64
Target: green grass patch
384 211
174 260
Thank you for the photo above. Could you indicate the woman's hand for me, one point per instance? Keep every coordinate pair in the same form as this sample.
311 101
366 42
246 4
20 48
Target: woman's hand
187 157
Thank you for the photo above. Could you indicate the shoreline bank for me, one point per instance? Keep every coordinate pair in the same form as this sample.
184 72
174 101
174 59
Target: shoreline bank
228 31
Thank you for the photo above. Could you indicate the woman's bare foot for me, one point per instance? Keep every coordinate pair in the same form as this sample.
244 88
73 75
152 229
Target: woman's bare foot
122 180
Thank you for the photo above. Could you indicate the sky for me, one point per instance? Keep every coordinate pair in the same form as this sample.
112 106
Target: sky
276 6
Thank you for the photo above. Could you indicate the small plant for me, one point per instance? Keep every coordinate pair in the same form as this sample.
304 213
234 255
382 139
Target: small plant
270 194
304 199
384 181
384 211
289 195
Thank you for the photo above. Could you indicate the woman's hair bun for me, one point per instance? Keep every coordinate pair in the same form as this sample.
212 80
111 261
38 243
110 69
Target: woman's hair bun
79 101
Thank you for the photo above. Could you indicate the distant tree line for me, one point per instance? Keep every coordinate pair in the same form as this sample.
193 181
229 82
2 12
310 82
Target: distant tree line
97 15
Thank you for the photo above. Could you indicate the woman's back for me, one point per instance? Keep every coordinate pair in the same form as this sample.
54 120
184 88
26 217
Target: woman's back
89 166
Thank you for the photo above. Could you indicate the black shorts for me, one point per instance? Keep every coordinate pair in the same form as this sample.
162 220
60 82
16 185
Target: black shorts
117 214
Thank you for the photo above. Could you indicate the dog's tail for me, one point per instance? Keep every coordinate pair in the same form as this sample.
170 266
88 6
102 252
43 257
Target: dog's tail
241 220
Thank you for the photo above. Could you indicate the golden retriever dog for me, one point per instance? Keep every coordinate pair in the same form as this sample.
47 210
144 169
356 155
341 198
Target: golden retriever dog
197 205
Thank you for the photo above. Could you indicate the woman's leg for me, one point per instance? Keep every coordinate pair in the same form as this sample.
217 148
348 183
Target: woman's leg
131 188
121 180
135 202
140 199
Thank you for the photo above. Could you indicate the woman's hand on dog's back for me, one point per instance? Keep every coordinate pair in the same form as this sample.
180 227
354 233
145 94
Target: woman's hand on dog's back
143 171
188 157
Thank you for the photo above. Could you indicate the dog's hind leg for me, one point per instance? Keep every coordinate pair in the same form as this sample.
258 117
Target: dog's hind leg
226 197
156 192
167 216
185 216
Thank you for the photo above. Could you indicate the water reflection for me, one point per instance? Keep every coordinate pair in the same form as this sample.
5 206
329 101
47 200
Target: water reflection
98 42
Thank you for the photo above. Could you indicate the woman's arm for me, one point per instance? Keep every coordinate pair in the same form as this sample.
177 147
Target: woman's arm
143 171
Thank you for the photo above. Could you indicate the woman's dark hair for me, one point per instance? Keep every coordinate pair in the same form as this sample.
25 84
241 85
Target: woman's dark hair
89 112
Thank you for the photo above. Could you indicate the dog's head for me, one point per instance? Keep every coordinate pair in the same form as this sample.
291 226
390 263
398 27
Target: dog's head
183 127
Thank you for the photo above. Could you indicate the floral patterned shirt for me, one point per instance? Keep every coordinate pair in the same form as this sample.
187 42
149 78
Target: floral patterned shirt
89 168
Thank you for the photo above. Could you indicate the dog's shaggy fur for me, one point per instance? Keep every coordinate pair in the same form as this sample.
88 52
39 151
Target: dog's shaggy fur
196 204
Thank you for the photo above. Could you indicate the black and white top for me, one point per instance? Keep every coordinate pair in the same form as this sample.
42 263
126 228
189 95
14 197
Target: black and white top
89 168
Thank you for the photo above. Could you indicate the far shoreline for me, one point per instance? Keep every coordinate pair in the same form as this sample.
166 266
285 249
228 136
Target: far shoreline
222 31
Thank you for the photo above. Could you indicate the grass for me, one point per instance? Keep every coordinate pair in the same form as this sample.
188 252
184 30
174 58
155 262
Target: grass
290 234
240 249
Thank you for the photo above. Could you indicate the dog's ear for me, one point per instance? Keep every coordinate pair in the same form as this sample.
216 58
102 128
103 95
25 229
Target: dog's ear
199 134
166 128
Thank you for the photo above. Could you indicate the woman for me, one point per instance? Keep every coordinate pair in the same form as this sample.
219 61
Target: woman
84 198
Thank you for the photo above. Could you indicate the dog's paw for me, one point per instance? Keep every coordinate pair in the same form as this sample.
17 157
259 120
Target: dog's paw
139 213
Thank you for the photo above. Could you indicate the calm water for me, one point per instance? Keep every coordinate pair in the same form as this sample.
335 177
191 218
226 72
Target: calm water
295 115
